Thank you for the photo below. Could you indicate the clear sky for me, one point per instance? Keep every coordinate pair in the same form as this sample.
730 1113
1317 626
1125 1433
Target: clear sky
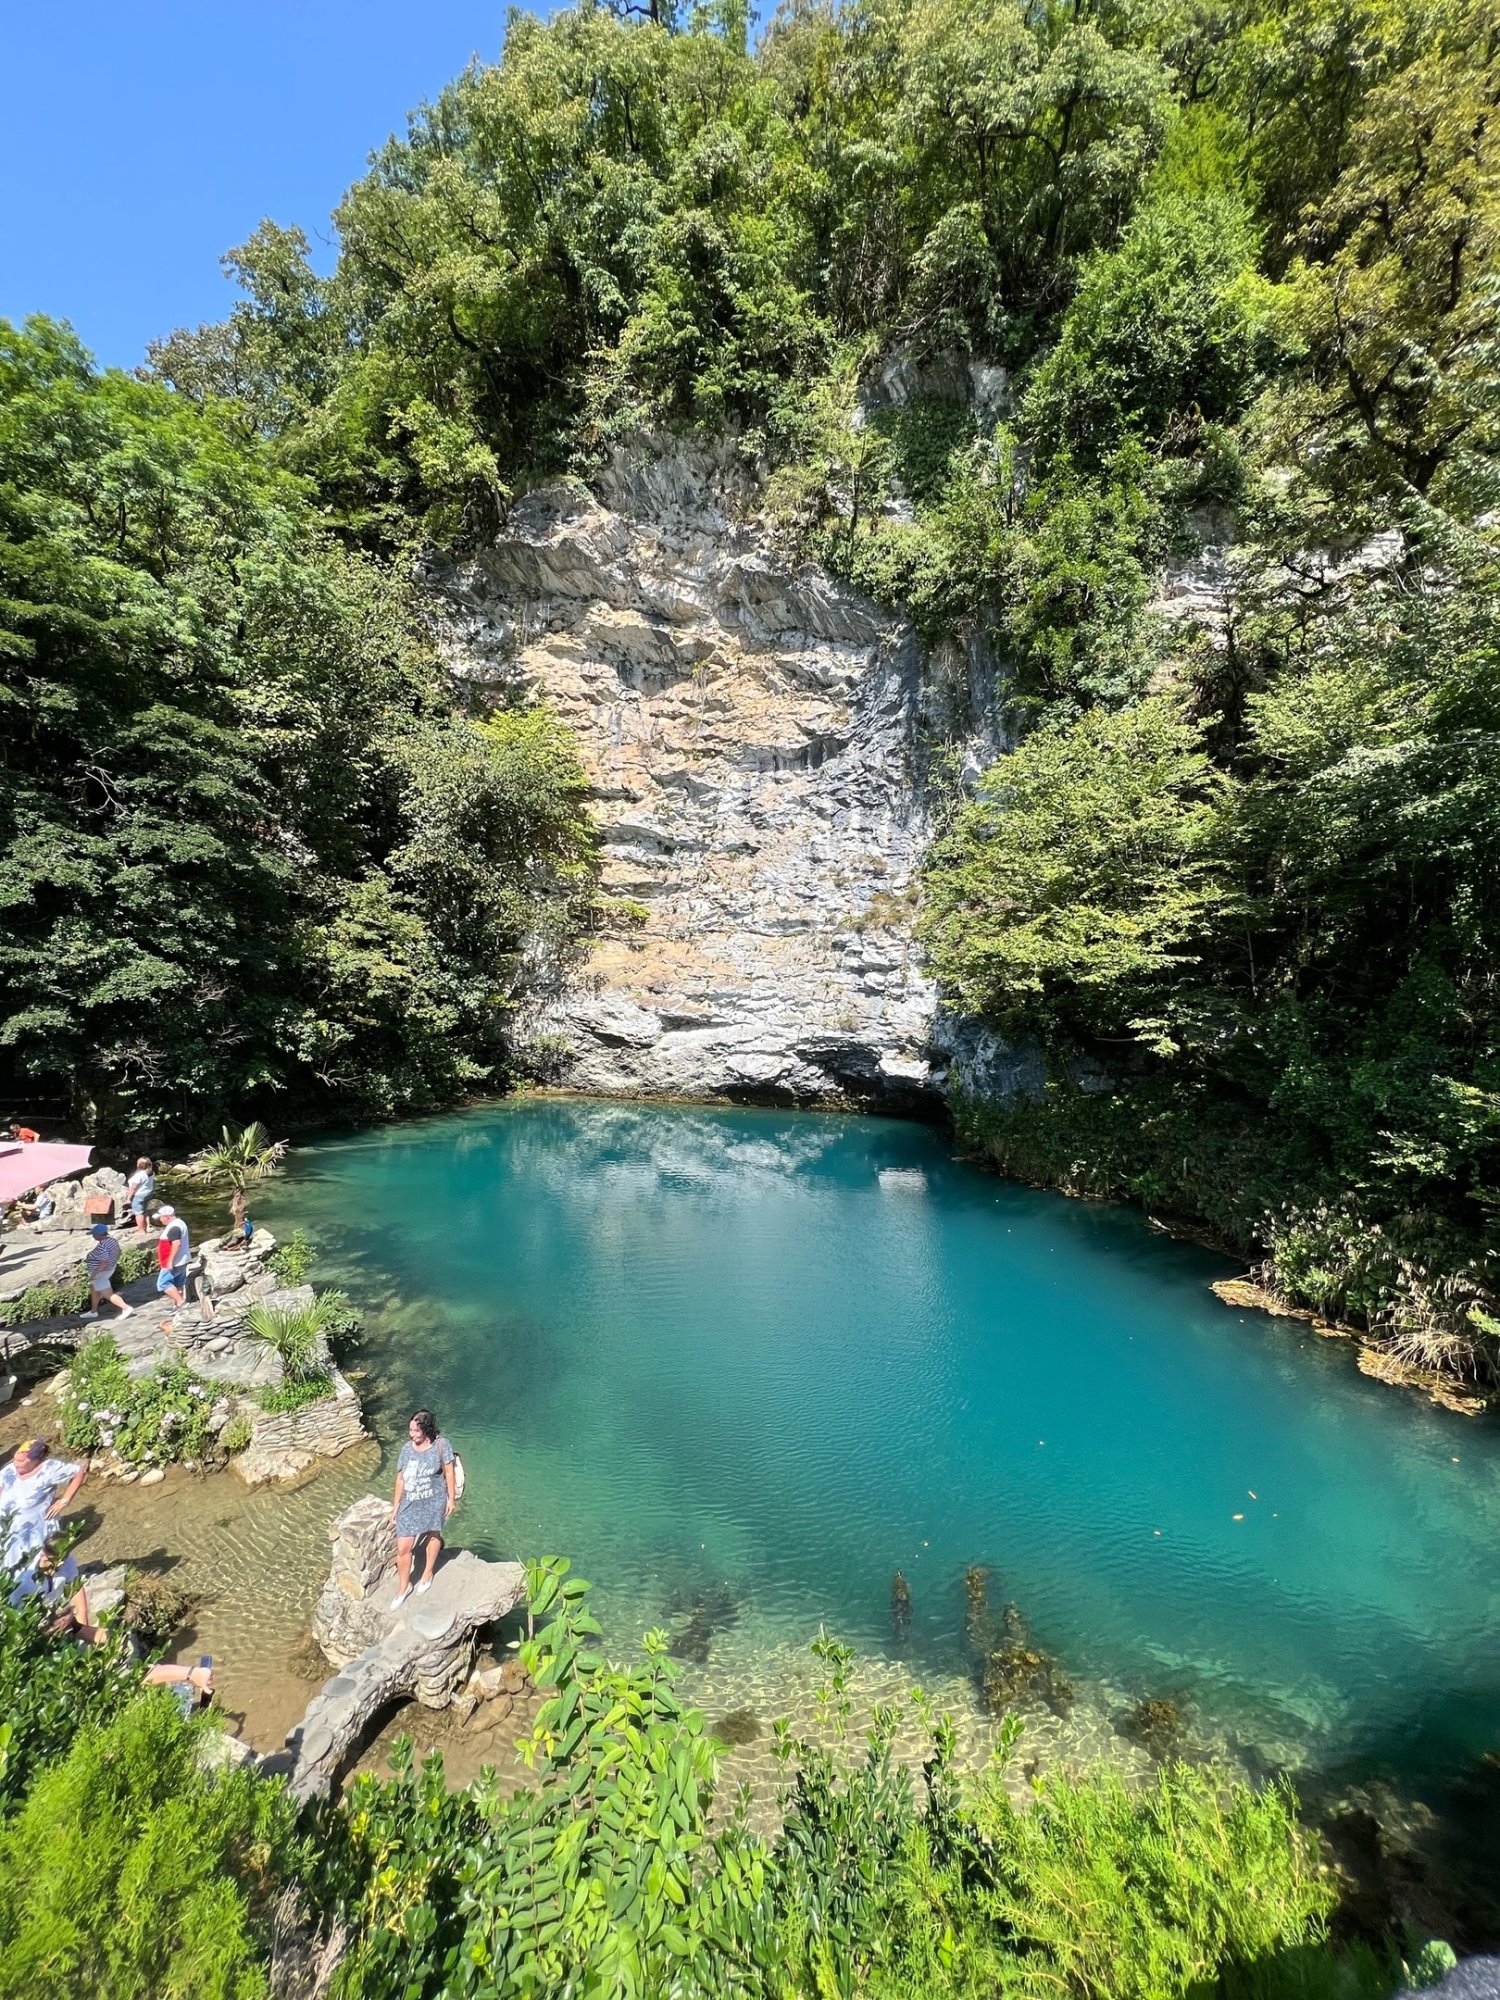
140 139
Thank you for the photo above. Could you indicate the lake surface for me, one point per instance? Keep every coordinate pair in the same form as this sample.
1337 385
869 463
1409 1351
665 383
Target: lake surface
765 1358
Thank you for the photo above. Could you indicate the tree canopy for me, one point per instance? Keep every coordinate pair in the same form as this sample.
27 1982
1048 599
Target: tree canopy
246 847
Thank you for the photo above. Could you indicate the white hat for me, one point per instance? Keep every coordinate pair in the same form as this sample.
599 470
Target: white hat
166 1209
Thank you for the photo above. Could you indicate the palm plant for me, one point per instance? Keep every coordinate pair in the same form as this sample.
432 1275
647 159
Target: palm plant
296 1335
237 1163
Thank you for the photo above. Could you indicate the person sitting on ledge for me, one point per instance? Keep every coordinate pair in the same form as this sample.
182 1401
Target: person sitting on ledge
76 1620
41 1210
426 1494
22 1134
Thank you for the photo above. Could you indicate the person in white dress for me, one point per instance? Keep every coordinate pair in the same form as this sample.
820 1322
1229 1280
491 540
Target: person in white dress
36 1490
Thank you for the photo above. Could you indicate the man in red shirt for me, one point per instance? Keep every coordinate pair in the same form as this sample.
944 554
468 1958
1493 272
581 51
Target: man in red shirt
173 1250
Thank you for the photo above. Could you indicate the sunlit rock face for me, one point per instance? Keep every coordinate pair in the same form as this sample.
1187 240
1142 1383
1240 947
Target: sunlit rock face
758 740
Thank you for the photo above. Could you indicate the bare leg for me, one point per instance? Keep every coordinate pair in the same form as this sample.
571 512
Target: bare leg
404 1546
76 1618
119 1304
165 1674
434 1550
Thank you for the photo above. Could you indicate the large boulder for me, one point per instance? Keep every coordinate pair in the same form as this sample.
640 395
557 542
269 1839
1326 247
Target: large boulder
70 1197
286 1445
422 1649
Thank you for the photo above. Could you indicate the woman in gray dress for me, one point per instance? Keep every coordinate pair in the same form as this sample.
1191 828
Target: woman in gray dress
426 1494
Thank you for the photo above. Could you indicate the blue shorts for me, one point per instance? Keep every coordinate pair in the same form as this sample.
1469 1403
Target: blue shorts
138 1206
175 1281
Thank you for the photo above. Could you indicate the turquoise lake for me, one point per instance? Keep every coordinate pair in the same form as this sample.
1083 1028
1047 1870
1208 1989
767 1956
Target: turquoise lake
769 1357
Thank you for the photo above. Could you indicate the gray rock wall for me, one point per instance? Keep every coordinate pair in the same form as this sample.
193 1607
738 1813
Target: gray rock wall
286 1445
756 737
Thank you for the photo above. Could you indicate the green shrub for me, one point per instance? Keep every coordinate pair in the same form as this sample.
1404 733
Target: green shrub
236 1434
606 1877
614 1875
158 1419
343 1322
1092 1888
295 1393
301 1336
135 1874
291 1261
48 1689
620 913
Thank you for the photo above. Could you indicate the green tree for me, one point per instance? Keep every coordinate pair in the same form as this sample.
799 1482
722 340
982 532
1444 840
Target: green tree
136 1874
1077 890
228 751
1164 335
1391 294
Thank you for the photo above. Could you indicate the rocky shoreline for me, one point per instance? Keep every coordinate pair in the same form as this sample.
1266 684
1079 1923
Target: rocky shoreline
207 1334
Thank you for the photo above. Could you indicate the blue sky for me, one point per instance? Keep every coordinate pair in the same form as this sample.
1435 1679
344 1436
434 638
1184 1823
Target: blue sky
141 139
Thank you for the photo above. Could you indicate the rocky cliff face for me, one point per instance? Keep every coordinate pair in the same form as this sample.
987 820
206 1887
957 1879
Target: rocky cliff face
757 739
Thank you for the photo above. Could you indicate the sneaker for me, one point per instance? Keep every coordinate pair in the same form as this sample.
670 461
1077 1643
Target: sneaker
425 1584
126 1311
400 1598
93 1315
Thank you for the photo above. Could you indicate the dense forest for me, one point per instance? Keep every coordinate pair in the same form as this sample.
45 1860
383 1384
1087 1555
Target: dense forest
1238 269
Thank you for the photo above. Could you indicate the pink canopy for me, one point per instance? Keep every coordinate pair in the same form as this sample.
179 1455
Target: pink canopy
23 1168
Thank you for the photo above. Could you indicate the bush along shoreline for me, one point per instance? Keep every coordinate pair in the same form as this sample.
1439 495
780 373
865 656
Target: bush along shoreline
1424 1323
142 1864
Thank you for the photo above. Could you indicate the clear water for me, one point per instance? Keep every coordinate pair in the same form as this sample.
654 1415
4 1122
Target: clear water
790 1353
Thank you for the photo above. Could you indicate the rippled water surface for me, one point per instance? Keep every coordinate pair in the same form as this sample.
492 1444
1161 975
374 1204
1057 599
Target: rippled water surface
756 1361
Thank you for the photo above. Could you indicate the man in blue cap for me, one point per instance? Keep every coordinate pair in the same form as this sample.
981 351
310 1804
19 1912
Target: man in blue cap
101 1264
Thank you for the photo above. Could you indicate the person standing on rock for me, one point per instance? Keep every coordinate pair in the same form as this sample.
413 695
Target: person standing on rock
426 1494
101 1264
140 1188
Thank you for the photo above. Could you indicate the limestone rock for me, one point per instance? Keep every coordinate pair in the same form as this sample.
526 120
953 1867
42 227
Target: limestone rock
69 1197
753 734
488 1684
423 1649
219 1751
285 1445
105 1587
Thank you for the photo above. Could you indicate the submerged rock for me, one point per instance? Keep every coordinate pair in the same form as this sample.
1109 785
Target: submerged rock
1014 1675
1010 1669
740 1725
708 1610
979 1625
1157 1724
900 1608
